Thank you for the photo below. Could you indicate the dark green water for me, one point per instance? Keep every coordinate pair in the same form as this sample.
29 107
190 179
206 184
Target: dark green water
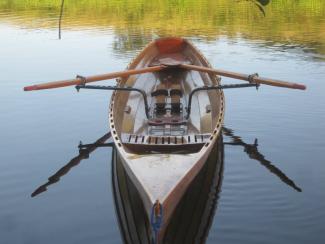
40 131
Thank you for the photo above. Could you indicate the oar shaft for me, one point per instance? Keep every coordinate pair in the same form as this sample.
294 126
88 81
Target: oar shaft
239 76
79 81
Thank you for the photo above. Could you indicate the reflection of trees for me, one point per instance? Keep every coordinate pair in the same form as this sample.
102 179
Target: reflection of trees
131 39
285 21
60 18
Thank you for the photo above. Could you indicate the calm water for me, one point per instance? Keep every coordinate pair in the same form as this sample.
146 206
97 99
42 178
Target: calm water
40 131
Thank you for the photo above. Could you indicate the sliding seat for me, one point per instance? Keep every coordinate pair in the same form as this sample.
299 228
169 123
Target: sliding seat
175 95
160 95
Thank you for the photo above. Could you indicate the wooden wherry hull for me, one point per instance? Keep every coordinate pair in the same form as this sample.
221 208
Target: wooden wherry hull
164 151
192 218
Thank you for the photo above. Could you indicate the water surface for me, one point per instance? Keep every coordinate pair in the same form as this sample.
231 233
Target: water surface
40 131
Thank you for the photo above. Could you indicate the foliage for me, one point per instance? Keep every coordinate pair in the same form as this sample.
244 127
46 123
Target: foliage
134 22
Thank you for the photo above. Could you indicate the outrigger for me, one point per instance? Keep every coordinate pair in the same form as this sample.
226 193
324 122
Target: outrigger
165 115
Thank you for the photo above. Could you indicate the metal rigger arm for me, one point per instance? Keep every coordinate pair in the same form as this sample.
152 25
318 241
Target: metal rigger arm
144 95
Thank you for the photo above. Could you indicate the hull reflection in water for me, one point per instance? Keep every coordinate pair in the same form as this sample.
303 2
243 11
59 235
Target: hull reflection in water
190 222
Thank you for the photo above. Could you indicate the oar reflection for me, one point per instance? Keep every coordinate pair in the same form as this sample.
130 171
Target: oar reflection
192 218
250 149
84 151
253 153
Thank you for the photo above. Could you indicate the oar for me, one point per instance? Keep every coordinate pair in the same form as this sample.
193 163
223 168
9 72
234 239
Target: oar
251 78
83 154
83 80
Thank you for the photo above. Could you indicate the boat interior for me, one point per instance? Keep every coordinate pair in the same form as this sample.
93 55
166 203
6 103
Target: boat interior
166 122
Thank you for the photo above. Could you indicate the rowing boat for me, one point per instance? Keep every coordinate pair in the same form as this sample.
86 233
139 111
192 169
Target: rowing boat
164 150
166 114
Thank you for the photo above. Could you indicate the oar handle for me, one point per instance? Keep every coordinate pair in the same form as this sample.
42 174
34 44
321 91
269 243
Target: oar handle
250 78
83 80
